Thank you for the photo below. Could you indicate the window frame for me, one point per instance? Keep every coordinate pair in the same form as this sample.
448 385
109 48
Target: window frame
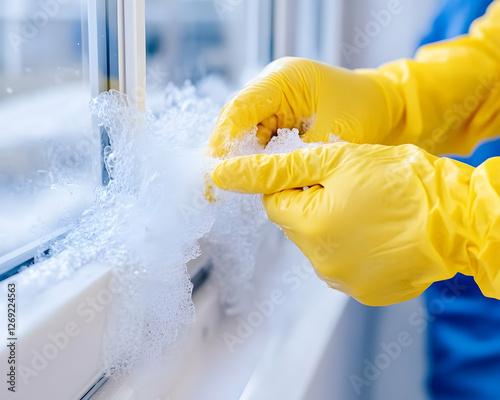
116 60
286 30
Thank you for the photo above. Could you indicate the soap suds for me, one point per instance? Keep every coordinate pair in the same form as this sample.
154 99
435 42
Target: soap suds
151 218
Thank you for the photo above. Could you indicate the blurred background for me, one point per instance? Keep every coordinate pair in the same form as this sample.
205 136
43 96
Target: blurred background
47 153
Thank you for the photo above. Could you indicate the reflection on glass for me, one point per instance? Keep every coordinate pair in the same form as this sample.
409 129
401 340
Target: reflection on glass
227 41
47 152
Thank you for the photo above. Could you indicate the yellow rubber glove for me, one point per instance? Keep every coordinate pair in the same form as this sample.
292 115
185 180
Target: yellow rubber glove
445 101
380 223
315 98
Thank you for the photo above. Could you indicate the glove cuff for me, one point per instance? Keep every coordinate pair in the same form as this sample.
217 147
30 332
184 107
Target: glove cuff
484 215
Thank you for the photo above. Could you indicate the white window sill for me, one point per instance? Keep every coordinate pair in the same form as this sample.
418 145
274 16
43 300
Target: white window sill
292 341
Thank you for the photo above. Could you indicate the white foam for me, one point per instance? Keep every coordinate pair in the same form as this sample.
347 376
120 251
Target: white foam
285 141
148 222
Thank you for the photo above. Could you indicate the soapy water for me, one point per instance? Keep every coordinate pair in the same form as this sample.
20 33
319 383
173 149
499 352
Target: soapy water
151 218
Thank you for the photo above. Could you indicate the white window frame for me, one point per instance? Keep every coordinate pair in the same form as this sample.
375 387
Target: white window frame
287 30
115 62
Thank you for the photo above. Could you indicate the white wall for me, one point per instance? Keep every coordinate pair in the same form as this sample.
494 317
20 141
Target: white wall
396 36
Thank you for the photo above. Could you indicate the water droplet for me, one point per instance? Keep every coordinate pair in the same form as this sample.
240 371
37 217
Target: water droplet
9 90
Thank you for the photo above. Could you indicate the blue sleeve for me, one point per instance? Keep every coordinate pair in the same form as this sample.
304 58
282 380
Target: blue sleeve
455 18
464 326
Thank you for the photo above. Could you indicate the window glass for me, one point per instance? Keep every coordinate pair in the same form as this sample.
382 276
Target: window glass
308 28
228 41
48 153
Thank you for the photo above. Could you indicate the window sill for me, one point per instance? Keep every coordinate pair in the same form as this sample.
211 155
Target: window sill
292 341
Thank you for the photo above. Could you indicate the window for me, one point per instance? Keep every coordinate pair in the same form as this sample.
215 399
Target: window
228 41
48 157
305 28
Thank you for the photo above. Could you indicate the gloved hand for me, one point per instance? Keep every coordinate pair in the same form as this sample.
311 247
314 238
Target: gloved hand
315 98
445 101
380 223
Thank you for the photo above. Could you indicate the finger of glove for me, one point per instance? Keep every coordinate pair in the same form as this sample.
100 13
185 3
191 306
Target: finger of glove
252 106
263 173
292 208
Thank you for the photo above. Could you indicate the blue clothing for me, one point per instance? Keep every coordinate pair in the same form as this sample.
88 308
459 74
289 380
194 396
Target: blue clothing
464 328
464 342
455 19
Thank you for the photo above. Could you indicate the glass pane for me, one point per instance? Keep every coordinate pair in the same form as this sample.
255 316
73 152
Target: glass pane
307 26
48 155
226 40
